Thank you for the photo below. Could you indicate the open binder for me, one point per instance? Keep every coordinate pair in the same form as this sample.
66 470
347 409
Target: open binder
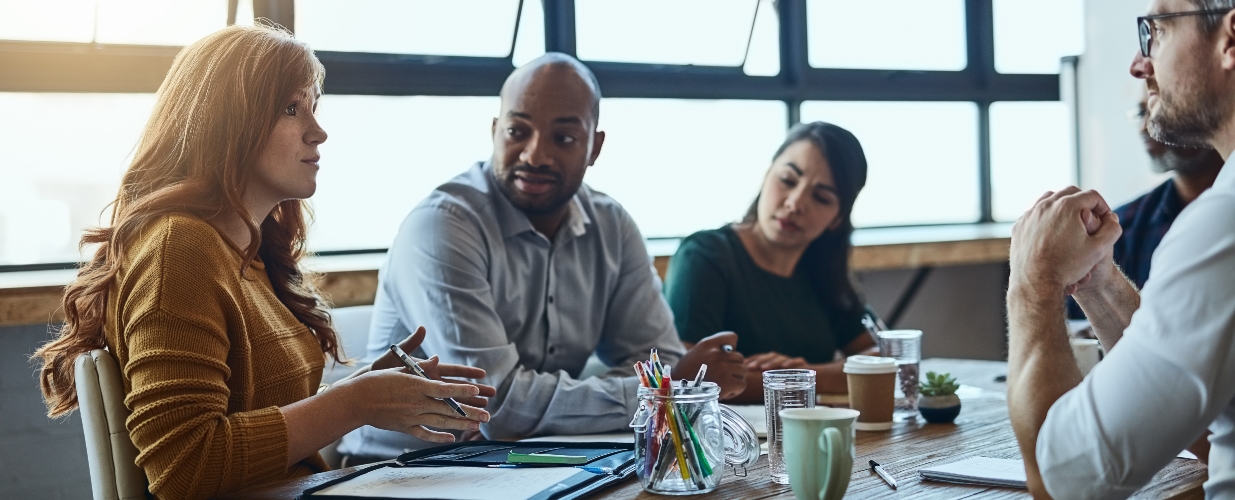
480 470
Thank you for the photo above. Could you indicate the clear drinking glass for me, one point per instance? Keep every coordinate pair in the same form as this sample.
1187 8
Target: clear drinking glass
906 347
784 389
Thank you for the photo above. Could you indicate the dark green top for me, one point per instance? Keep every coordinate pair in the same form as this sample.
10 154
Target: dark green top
713 285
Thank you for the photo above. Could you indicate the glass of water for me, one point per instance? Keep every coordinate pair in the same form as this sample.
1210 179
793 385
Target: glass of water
784 389
906 347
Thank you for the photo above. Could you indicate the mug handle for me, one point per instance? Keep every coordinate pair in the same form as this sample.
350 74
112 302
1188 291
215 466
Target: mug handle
831 443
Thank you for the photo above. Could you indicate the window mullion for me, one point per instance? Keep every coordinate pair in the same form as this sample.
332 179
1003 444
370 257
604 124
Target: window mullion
560 26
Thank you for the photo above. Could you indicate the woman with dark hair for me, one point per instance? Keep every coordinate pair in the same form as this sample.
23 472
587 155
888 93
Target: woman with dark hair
196 290
780 278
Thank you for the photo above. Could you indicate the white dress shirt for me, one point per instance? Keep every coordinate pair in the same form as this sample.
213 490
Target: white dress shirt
496 294
1169 377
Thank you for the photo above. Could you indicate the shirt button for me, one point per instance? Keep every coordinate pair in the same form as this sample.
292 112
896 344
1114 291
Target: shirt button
550 299
552 349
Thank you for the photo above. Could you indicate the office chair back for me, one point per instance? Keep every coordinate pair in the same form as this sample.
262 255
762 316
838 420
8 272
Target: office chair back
114 474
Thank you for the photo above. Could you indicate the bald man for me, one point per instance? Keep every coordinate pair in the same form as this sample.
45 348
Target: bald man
518 267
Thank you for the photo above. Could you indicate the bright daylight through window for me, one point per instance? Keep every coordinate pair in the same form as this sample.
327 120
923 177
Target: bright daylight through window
433 27
144 22
922 159
63 158
848 34
698 103
384 155
702 161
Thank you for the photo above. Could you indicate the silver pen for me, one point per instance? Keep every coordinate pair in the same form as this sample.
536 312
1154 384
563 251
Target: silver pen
873 325
887 478
411 363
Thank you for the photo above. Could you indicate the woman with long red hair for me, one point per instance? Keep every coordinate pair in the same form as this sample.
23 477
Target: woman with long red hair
195 287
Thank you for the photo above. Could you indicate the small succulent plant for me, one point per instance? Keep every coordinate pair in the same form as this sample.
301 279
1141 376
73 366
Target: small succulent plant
938 385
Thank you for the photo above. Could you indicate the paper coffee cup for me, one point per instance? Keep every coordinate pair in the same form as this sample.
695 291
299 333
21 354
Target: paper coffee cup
872 389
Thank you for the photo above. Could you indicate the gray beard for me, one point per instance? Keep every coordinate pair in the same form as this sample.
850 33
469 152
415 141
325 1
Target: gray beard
1189 121
1185 162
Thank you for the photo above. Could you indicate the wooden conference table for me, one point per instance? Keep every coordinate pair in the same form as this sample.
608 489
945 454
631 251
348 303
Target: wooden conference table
982 429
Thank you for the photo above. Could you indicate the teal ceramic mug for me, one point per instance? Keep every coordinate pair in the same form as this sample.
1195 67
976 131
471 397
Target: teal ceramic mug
818 451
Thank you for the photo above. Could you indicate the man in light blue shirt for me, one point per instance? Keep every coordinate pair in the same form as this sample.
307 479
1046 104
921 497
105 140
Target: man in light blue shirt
517 267
1170 371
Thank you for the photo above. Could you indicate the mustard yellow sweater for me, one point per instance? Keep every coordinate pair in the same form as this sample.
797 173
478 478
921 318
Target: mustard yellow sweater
207 358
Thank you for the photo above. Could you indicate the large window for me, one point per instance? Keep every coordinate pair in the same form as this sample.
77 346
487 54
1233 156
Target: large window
1032 35
695 32
955 101
63 157
453 28
144 22
1031 153
701 160
922 159
384 154
889 34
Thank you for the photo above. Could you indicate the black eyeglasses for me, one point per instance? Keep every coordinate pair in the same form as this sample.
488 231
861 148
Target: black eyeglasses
1146 26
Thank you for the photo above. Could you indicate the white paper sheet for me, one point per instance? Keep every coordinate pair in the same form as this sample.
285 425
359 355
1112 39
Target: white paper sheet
462 483
971 393
756 415
1186 455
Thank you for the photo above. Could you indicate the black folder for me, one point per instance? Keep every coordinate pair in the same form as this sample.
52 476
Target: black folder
607 464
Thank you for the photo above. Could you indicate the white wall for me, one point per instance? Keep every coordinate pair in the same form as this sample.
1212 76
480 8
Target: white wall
1113 158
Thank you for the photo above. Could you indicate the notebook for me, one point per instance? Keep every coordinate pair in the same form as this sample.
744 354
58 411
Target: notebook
980 471
482 470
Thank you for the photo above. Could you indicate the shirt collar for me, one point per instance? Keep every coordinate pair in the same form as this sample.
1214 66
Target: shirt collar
513 221
576 218
1225 176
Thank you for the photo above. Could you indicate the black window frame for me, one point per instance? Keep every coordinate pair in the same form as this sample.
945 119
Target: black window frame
89 67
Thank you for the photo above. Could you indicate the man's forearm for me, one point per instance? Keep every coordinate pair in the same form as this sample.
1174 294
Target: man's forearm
1109 307
1040 368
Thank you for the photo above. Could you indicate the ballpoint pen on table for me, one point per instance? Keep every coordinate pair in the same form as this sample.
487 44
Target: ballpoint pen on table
411 363
887 478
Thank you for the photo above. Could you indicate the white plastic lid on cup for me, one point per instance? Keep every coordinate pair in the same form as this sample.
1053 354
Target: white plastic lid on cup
869 365
901 334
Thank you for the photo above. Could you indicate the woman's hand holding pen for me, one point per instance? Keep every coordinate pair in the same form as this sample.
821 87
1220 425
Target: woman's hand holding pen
397 401
386 395
438 370
389 396
725 366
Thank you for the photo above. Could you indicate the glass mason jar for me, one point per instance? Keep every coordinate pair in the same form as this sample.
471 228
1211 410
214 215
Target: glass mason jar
684 439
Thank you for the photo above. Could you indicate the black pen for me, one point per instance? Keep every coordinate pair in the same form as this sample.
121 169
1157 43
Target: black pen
887 478
411 363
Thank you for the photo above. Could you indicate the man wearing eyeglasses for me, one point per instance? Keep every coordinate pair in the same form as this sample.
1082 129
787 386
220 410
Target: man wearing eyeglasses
1171 368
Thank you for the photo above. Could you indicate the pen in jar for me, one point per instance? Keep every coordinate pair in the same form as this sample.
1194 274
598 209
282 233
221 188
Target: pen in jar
411 363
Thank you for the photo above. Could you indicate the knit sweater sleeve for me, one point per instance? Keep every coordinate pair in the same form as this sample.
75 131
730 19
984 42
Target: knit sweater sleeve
176 334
